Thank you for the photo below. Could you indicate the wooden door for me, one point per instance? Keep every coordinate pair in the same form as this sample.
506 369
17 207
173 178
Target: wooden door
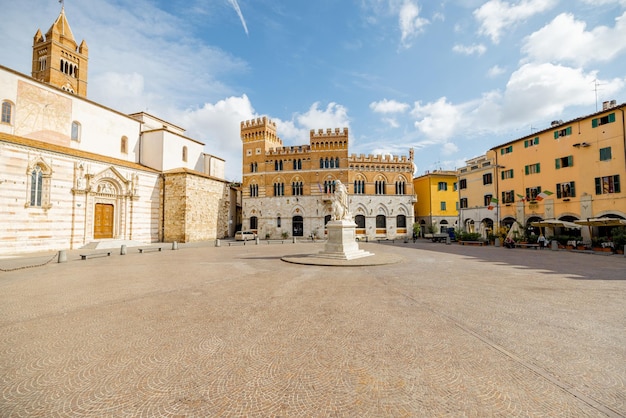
103 221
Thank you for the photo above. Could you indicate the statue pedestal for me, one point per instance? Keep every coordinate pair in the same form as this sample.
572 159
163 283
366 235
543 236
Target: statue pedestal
341 244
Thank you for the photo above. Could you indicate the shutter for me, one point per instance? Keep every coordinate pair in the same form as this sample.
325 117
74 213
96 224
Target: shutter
568 131
557 163
598 185
538 168
511 173
526 144
527 170
556 134
572 189
558 190
537 141
612 117
570 161
616 187
502 151
594 123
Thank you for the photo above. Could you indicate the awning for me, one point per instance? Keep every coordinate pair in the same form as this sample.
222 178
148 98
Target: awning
602 222
555 223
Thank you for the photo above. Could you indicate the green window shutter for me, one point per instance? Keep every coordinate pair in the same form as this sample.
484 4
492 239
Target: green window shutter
612 117
512 172
557 163
526 144
568 131
570 160
558 191
572 189
502 151
616 187
502 175
538 168
598 185
527 170
594 123
556 134
536 140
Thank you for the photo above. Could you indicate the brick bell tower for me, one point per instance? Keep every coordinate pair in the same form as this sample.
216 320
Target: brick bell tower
58 60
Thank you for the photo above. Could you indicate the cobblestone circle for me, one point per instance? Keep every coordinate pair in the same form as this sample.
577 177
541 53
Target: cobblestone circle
234 331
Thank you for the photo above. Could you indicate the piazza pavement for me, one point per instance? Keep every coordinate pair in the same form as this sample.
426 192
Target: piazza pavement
235 331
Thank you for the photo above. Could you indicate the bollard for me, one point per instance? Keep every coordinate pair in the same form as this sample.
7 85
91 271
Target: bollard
62 256
448 240
294 240
256 240
555 245
218 243
123 249
175 245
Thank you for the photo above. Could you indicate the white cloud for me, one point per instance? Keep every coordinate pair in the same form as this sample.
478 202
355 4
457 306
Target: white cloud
566 40
449 148
540 91
392 122
411 24
439 120
388 106
217 125
478 49
334 116
495 71
496 15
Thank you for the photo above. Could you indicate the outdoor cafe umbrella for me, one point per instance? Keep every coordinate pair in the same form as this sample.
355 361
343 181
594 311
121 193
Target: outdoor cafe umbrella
601 222
554 223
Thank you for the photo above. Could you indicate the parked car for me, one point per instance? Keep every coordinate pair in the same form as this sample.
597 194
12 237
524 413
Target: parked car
245 236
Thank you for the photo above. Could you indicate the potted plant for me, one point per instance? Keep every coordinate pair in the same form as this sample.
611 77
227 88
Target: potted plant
619 239
284 234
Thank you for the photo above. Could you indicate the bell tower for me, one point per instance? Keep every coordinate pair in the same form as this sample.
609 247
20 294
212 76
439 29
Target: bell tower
58 60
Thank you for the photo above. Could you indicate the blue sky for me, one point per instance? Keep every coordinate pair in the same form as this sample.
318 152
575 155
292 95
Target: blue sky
450 78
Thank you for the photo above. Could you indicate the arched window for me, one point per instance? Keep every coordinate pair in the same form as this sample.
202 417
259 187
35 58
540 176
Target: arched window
7 112
278 223
359 220
185 154
381 222
380 187
401 221
76 128
321 163
36 186
400 187
124 145
337 162
254 222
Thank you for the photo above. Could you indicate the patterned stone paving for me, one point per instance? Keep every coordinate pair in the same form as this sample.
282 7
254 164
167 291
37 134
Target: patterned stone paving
235 331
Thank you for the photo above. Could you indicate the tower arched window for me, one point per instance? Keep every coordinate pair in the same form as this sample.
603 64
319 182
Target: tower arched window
185 154
337 162
124 145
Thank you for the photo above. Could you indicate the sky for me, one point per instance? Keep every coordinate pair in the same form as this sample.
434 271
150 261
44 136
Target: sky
450 79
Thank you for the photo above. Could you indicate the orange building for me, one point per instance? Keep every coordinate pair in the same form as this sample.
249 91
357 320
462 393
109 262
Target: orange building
286 189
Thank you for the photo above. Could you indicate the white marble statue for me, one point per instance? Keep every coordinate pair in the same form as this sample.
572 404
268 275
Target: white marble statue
340 210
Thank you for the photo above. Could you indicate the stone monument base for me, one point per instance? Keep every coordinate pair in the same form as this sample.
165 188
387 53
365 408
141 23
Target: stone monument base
341 244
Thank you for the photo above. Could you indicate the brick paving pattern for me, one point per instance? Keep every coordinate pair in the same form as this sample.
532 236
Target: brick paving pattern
235 331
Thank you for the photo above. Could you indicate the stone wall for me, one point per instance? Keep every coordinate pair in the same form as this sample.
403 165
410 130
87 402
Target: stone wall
197 207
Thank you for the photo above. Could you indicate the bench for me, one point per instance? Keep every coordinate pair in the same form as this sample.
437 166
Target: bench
91 255
275 241
236 243
386 240
520 245
479 243
145 250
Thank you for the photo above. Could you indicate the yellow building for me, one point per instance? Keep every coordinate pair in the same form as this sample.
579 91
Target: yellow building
286 189
437 200
570 171
477 188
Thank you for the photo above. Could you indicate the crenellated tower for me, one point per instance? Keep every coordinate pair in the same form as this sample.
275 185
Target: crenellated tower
258 137
58 60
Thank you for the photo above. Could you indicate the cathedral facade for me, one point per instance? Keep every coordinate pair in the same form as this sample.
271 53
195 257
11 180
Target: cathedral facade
73 171
286 190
